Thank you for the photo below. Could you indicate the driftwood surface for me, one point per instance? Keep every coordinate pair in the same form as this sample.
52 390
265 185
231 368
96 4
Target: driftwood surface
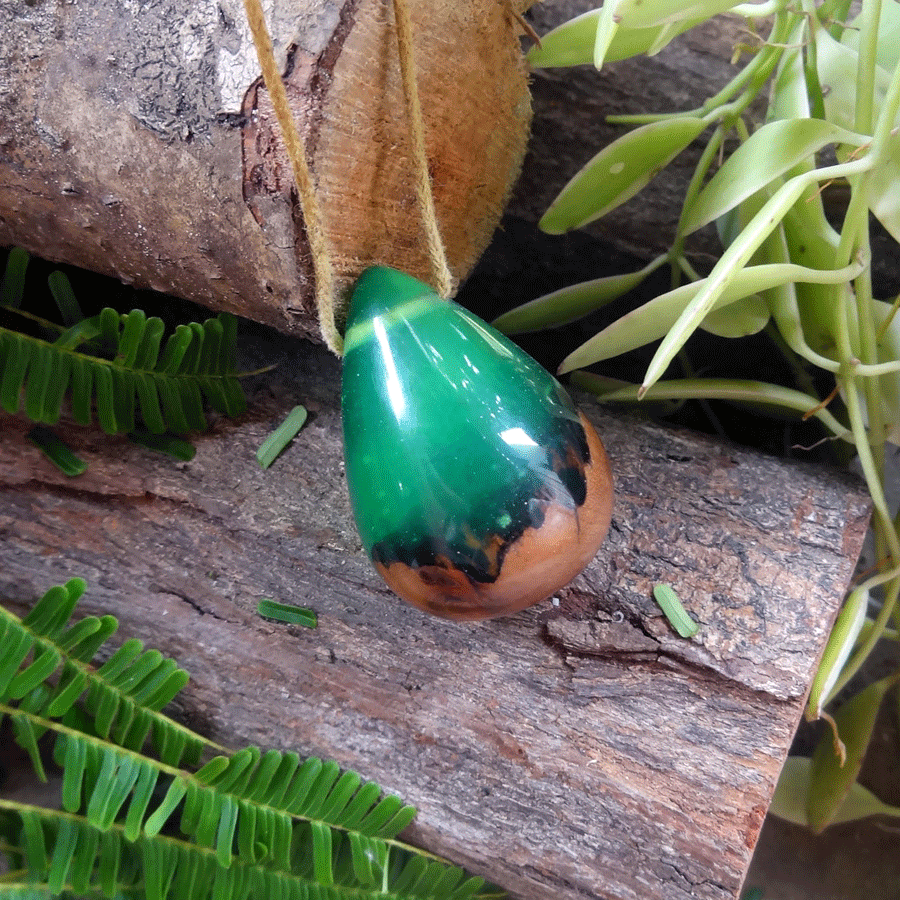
136 140
573 751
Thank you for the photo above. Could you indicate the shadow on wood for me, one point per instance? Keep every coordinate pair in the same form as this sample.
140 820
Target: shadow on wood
573 751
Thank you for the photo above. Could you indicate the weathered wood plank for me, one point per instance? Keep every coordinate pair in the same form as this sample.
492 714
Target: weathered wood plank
579 751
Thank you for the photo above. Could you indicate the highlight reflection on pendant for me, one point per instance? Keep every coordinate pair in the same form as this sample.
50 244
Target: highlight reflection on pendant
477 487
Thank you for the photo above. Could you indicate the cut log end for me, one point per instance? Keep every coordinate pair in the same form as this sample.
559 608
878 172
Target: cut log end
126 151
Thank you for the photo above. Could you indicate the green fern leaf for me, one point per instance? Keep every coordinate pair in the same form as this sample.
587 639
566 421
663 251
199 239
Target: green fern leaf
191 359
27 737
121 698
227 825
361 805
176 793
118 776
64 848
123 398
71 686
159 863
262 822
239 767
16 647
106 409
133 325
39 373
151 340
322 860
56 450
192 403
82 640
368 859
174 351
61 289
108 322
35 841
45 663
112 858
82 865
236 402
148 397
140 800
128 376
387 819
12 288
410 876
49 616
74 754
171 404
85 330
82 390
318 795
208 356
17 354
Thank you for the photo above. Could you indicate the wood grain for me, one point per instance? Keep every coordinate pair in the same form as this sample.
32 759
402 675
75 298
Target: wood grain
573 751
138 143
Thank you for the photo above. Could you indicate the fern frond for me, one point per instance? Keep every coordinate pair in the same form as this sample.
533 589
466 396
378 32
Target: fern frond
103 781
45 664
313 790
166 386
52 851
251 825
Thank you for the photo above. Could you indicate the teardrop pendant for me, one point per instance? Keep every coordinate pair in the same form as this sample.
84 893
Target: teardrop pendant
477 487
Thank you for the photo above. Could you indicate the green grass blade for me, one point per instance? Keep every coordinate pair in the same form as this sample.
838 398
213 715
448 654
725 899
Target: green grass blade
674 611
287 613
275 443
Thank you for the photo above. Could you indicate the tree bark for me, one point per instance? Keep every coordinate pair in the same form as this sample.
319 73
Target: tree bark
136 140
573 751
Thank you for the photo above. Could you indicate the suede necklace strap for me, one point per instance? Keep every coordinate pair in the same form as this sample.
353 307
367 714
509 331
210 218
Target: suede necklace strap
320 248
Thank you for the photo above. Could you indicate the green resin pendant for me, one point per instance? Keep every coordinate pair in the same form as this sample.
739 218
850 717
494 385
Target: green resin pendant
477 487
